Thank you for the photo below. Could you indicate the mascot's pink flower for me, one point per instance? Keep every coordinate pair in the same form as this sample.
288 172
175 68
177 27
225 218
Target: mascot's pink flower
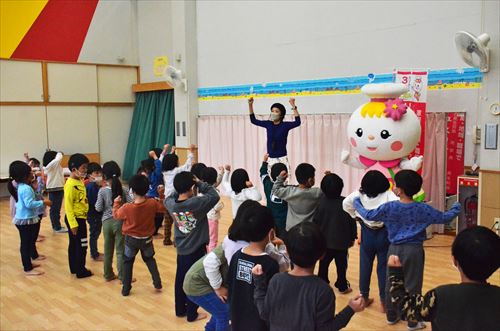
395 109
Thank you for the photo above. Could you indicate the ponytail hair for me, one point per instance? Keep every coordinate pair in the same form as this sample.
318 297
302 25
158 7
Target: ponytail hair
116 188
111 171
12 189
20 172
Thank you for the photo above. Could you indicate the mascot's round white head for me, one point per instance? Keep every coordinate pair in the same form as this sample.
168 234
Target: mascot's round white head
384 129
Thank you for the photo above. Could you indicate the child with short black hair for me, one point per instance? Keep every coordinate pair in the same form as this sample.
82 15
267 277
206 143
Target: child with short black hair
25 217
210 176
278 207
375 190
239 188
257 230
338 228
302 199
471 305
299 300
197 168
138 228
191 233
54 174
76 207
94 180
170 168
406 221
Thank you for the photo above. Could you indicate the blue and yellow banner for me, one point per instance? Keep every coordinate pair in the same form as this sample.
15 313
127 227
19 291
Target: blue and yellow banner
438 80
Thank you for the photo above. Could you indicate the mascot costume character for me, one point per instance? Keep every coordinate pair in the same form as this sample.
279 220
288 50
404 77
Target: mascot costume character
383 132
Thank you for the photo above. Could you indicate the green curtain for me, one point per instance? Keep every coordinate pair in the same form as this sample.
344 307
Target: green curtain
152 126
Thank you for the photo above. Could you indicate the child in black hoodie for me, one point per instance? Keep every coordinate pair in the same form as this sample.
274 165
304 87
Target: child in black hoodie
338 228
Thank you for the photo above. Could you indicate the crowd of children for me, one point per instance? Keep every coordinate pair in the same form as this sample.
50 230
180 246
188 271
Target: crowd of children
269 255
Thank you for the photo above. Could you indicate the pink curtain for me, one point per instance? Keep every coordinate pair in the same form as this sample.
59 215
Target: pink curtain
434 168
318 141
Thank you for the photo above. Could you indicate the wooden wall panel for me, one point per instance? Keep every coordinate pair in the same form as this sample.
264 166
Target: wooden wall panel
72 82
73 129
115 83
23 129
21 81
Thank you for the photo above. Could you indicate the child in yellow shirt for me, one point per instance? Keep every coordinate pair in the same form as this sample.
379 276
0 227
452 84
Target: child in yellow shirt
76 207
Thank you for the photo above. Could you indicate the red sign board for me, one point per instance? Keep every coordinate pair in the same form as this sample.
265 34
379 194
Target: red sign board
455 141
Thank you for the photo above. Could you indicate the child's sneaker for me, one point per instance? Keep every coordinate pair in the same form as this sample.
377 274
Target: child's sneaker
85 274
416 326
347 290
167 242
392 317
368 301
40 258
98 258
392 322
111 278
33 272
61 230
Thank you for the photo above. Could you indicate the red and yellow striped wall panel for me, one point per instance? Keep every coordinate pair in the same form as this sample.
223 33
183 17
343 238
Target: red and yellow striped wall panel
51 30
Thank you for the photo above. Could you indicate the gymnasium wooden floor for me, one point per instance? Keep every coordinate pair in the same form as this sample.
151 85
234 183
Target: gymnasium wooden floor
59 301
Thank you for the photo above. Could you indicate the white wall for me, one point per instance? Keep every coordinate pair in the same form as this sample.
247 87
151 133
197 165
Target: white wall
490 159
112 34
277 41
248 42
184 31
169 28
155 35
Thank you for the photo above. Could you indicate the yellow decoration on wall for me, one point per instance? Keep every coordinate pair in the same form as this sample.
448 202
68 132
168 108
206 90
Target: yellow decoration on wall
160 65
16 18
